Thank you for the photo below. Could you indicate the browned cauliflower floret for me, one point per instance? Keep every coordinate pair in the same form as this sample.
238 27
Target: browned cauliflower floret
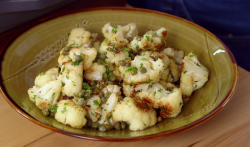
70 114
136 112
193 74
95 72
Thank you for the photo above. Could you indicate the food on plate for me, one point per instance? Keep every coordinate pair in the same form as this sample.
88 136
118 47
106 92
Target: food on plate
124 81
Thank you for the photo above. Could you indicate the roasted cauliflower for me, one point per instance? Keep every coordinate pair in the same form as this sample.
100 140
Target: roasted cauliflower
70 114
136 112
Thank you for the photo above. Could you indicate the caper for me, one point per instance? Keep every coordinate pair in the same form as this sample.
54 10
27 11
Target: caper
157 57
122 63
82 92
88 91
116 50
130 50
45 112
109 49
110 82
92 83
120 98
134 71
64 52
128 64
102 128
101 86
129 39
123 125
159 118
86 95
112 78
67 48
104 100
94 125
51 114
132 56
107 94
117 126
108 126
143 70
100 94
78 58
96 90
102 55
137 52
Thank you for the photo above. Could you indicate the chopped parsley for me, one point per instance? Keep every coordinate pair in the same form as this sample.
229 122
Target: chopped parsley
63 69
102 61
109 117
191 56
144 59
86 86
131 68
154 93
195 86
132 84
64 110
96 102
185 71
125 49
149 81
198 64
162 109
114 29
181 103
69 34
75 63
53 109
41 74
160 90
148 38
141 65
155 33
53 94
63 84
67 77
23 99
65 104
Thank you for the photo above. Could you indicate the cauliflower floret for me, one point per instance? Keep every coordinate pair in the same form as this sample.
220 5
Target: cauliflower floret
170 100
136 112
152 74
93 114
71 78
95 72
79 37
112 89
176 55
44 78
151 40
46 96
88 55
193 74
70 114
108 107
94 102
120 35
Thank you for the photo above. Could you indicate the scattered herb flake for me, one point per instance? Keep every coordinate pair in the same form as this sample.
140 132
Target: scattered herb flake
109 117
63 69
131 68
114 29
198 64
86 86
96 102
53 110
69 34
148 38
144 59
67 77
162 109
160 90
185 71
149 81
132 84
41 74
125 49
75 63
63 84
64 110
195 86
65 104
191 56
102 61
141 65
154 93
53 94
181 103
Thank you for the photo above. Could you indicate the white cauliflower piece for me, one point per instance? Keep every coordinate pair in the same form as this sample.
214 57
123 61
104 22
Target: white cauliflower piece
95 72
88 54
46 96
79 37
71 78
94 102
169 101
70 114
176 55
152 75
193 74
136 112
112 89
94 114
44 78
119 35
108 107
154 40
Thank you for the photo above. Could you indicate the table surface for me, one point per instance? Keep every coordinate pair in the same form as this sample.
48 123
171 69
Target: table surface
230 127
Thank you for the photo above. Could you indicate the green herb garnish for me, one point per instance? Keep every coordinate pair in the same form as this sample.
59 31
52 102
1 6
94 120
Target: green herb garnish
41 74
114 29
144 59
64 110
96 102
86 86
130 69
75 63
